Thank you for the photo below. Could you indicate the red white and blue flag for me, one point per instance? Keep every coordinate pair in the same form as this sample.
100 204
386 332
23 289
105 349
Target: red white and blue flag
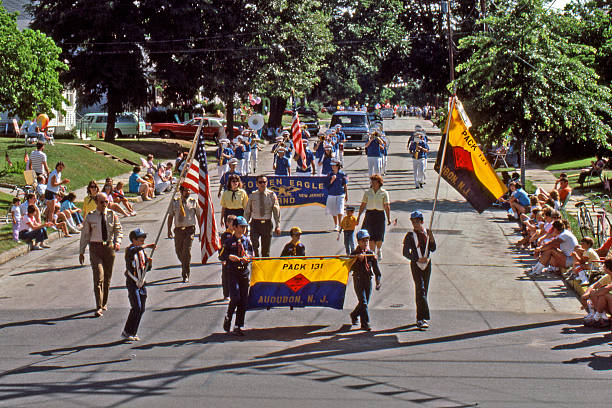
296 136
197 181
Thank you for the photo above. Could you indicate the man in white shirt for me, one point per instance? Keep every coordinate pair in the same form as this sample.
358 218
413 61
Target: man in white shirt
38 160
557 253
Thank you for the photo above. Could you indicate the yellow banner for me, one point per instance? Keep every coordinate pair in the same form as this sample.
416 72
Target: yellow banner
281 270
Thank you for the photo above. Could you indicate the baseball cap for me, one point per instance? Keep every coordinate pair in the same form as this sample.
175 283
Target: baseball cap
363 233
416 214
295 230
233 160
335 162
137 233
240 220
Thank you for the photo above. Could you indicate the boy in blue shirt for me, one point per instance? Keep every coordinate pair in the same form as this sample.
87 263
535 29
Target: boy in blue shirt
281 166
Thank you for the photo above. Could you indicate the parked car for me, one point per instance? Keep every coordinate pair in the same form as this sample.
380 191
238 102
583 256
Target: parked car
127 124
355 125
387 113
212 129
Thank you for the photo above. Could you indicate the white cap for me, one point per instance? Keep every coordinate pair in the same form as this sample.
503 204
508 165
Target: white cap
335 162
233 160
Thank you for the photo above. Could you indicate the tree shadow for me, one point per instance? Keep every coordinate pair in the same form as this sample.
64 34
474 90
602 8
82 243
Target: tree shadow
215 302
44 368
193 287
76 349
160 282
51 321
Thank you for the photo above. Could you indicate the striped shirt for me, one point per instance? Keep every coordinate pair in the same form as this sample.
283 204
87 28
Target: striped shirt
37 158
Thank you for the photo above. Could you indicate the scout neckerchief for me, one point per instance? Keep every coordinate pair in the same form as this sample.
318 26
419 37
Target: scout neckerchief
421 265
139 262
295 248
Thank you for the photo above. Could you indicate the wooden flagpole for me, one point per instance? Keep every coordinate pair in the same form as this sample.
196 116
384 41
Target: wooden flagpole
180 181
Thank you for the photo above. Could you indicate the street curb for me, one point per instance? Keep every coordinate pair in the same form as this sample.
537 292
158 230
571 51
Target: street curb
24 249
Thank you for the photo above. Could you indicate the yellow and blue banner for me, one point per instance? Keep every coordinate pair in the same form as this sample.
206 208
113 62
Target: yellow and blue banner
299 282
294 191
465 166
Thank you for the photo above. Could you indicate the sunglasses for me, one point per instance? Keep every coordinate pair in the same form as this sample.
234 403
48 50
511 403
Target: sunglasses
261 182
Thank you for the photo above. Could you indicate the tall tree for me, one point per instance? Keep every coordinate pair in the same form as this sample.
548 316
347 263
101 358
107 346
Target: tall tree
102 43
29 70
525 81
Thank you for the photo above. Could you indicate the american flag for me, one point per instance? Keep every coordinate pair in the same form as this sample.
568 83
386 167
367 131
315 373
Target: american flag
197 181
296 136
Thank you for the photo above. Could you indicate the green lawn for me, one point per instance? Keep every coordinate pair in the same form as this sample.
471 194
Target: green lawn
113 149
574 164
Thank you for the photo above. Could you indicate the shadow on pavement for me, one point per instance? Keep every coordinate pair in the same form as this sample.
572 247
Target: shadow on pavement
51 321
193 287
75 349
44 368
598 361
194 306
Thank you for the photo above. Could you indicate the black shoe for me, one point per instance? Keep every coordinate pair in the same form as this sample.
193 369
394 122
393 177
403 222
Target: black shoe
238 331
185 280
421 186
353 320
366 327
422 324
227 324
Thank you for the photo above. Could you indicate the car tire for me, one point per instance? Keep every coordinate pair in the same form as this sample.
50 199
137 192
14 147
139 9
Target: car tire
166 134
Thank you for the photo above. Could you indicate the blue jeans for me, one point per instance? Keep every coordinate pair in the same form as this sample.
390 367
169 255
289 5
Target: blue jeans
77 218
239 293
363 290
349 241
138 298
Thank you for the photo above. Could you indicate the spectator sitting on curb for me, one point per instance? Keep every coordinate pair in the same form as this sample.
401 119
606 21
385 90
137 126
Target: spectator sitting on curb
30 199
556 253
31 229
583 261
108 190
161 182
140 186
68 206
597 299
119 198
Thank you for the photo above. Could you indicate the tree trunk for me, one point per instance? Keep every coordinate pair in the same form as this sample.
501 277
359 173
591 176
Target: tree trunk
523 157
229 115
112 107
277 107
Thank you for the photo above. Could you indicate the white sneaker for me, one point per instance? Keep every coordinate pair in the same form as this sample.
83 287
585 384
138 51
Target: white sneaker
336 228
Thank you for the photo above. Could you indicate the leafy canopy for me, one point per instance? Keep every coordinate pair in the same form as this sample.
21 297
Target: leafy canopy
29 70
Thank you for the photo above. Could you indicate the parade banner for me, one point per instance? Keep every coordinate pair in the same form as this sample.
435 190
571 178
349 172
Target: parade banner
465 166
294 191
299 282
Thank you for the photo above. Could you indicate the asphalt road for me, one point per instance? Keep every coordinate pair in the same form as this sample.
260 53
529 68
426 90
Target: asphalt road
498 338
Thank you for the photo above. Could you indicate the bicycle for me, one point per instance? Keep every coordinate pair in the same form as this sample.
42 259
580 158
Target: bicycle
585 222
603 226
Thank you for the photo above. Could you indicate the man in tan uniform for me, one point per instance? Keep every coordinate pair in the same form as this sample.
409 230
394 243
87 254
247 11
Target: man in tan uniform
102 232
183 211
262 207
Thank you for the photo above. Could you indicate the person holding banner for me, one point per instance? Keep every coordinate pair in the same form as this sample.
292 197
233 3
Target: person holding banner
417 246
375 202
261 207
364 267
237 252
337 192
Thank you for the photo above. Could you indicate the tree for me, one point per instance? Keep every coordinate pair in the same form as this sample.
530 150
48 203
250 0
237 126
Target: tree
524 80
369 41
29 70
293 52
102 43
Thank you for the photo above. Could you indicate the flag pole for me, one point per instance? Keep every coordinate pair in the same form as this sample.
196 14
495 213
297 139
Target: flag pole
309 257
444 142
180 181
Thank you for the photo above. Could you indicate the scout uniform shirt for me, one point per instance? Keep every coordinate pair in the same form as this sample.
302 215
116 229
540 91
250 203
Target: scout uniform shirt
186 217
294 250
364 269
94 232
240 247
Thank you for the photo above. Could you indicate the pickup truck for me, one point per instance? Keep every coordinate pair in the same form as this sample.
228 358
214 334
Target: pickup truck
355 125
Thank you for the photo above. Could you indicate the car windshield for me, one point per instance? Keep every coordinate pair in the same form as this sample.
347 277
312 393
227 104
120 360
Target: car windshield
348 120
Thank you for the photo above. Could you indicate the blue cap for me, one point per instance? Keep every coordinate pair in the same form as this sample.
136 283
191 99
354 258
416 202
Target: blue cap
137 233
363 233
416 214
240 220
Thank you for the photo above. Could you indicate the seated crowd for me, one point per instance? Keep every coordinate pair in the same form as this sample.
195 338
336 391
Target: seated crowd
548 235
49 206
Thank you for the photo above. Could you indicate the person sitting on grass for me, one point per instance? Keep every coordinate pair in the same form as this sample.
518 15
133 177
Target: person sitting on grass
556 253
120 198
294 247
531 224
596 168
31 229
584 261
519 201
597 299
139 186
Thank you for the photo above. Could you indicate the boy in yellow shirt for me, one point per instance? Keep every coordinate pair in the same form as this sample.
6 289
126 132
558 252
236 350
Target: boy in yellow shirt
597 299
348 224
